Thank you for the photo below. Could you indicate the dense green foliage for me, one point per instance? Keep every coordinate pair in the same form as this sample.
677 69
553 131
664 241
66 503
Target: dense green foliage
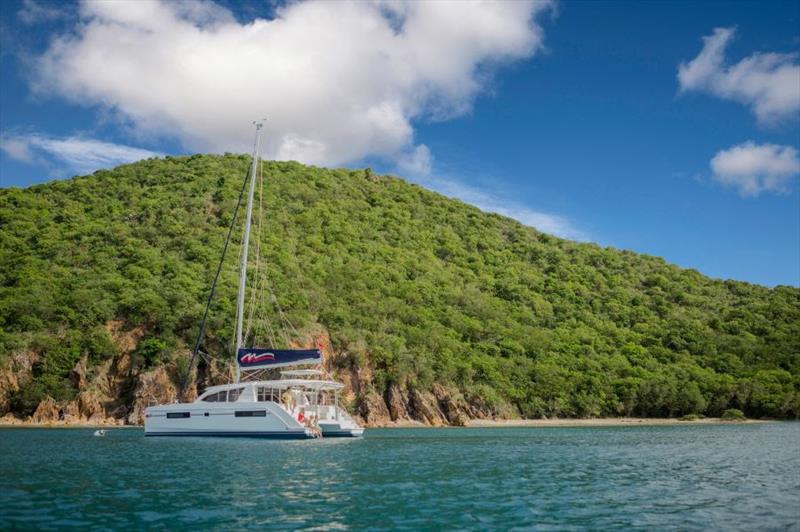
419 287
733 414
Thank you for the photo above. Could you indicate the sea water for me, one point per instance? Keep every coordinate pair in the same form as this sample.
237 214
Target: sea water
740 476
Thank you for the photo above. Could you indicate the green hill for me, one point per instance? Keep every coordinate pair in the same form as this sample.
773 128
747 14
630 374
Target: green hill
419 293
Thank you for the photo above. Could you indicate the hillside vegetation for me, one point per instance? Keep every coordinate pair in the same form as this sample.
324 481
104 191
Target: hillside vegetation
416 291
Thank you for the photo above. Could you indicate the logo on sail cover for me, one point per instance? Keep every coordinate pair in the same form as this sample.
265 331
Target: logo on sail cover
252 358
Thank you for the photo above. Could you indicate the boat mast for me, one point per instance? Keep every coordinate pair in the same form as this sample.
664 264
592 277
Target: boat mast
245 245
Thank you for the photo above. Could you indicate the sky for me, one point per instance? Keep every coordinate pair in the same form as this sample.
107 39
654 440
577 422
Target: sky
665 128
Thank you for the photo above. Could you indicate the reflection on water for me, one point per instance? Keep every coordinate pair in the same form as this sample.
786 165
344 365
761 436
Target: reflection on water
688 477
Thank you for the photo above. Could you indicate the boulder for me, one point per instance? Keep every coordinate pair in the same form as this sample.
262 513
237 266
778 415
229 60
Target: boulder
46 412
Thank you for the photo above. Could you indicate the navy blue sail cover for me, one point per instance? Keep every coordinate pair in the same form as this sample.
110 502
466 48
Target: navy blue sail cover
251 358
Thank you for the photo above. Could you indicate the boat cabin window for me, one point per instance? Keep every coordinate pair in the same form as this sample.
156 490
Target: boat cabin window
219 397
250 413
233 395
225 396
268 394
173 415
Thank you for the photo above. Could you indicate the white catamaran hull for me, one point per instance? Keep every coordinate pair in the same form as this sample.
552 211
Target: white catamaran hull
263 420
337 430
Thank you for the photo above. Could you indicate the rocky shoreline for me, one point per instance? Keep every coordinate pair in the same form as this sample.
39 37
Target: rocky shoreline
116 392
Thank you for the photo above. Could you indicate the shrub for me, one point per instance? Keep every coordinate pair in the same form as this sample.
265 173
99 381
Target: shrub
733 414
150 352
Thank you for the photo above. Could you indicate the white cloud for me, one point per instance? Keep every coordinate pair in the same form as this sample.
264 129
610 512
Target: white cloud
338 81
16 148
769 83
546 222
71 154
753 169
33 12
417 162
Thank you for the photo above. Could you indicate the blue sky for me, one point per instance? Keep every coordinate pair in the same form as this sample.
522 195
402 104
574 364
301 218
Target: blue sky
569 116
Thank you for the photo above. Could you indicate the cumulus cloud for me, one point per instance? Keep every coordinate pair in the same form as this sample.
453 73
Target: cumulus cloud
337 81
71 154
769 83
753 169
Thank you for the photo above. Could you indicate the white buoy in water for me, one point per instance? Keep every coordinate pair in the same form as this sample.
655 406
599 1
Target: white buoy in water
100 433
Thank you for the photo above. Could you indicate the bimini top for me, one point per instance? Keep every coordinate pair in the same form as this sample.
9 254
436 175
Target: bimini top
302 372
255 358
282 384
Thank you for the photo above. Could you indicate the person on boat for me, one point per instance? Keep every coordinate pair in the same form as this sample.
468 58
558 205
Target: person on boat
288 399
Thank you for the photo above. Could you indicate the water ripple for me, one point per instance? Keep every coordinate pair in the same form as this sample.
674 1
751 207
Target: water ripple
686 477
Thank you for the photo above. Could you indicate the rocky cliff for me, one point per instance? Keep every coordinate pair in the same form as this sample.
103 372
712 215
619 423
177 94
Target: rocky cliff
116 392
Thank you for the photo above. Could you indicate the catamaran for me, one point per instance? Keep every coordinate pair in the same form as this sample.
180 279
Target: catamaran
301 403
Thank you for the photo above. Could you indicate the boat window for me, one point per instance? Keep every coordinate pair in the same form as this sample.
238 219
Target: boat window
250 413
219 397
233 395
173 415
268 394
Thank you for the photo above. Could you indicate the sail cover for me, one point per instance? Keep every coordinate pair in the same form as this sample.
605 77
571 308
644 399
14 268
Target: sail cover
253 358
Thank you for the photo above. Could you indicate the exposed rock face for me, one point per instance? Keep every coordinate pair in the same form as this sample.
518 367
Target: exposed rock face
190 394
15 373
479 409
373 409
100 419
10 419
104 389
125 339
452 405
426 409
89 406
120 413
152 387
71 413
217 372
46 412
78 374
396 402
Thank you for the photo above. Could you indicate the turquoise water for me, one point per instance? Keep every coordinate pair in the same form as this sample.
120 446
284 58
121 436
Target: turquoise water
682 477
